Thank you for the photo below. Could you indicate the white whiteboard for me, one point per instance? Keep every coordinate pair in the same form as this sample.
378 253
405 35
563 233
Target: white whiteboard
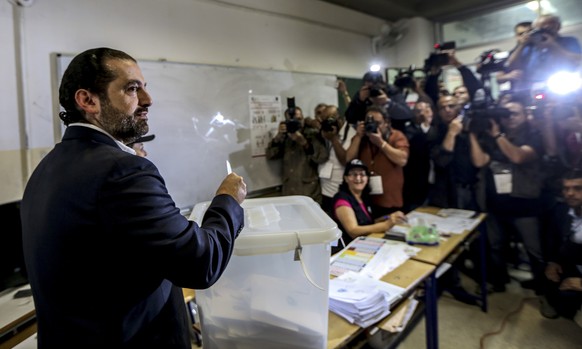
191 153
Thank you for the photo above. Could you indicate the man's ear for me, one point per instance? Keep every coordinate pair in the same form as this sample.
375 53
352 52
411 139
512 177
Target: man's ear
88 101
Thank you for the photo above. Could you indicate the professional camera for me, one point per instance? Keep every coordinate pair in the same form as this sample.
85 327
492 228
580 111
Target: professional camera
539 35
479 118
492 61
439 58
377 82
370 125
293 125
406 79
328 124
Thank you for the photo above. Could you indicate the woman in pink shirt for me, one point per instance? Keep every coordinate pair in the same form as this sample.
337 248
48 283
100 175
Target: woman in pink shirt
352 209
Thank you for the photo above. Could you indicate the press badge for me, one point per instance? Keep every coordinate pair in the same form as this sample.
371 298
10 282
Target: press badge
501 176
376 185
325 170
502 183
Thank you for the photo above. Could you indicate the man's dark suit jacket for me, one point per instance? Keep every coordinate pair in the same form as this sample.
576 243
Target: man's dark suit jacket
106 248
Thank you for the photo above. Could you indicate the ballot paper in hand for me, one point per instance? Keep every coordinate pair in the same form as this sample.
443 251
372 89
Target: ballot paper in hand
360 299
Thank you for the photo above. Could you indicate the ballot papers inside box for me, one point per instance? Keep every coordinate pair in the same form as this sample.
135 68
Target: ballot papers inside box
274 292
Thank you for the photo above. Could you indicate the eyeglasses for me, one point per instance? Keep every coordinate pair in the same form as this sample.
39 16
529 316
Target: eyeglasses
450 106
357 174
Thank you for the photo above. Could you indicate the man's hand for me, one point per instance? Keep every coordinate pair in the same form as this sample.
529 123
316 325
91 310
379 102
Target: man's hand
548 41
298 137
553 271
516 74
376 138
281 132
453 60
571 284
341 86
330 135
494 130
381 100
364 93
235 186
456 126
361 129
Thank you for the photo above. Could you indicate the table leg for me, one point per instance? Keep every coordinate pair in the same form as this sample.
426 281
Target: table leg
431 321
483 256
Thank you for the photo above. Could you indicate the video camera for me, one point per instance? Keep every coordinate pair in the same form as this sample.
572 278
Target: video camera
492 61
438 58
483 109
479 118
292 124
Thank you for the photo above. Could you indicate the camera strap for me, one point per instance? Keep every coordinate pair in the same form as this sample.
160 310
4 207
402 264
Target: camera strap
346 130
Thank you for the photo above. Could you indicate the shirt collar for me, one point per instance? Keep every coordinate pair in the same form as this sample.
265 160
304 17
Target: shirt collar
572 213
122 146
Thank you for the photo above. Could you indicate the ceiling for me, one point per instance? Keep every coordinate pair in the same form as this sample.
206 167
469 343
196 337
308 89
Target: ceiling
434 10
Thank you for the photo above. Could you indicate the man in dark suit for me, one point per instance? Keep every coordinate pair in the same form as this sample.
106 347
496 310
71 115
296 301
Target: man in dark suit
105 247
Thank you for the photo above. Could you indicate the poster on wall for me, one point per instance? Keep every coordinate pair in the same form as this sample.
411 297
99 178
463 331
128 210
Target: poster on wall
265 113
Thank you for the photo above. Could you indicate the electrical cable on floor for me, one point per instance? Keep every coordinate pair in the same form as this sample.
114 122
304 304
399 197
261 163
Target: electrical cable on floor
504 321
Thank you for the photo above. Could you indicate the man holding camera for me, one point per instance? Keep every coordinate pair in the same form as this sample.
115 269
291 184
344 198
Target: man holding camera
337 134
510 151
384 151
511 75
302 150
543 52
376 92
455 175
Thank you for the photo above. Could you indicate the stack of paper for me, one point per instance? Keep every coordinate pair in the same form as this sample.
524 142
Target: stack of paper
372 257
360 299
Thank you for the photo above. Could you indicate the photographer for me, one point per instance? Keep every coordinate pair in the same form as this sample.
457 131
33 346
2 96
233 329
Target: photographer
385 151
455 175
513 75
417 172
337 134
302 150
543 52
434 70
510 152
376 92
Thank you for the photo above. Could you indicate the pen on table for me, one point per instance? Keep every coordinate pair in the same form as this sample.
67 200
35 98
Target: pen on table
228 167
403 218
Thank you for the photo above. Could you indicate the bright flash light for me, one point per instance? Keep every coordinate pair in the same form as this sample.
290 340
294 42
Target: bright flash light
564 82
219 117
375 67
545 5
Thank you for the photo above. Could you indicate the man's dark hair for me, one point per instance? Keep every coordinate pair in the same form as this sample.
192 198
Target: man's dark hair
87 71
573 174
380 110
374 77
522 98
523 24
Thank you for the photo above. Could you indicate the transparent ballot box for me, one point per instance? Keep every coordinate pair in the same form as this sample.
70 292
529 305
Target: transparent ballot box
274 292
